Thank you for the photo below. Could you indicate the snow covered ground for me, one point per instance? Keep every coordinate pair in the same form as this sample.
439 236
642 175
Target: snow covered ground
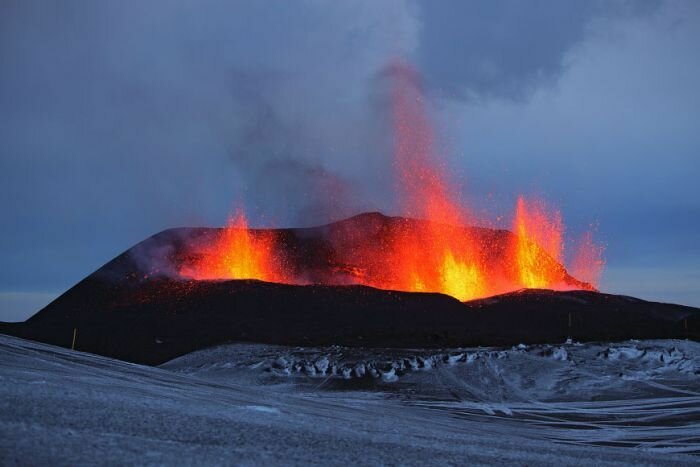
620 404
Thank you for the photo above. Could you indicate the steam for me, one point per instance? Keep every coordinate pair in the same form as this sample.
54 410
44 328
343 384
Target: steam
121 119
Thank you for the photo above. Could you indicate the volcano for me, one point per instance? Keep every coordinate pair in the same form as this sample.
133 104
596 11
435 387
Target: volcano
144 307
372 249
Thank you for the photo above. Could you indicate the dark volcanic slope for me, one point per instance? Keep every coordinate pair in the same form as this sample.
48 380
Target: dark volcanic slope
161 319
118 312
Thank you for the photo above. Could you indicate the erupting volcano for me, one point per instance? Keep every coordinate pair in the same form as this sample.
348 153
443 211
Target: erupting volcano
353 282
438 254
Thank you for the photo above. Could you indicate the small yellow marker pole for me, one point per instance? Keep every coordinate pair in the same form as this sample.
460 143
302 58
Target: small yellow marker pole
75 333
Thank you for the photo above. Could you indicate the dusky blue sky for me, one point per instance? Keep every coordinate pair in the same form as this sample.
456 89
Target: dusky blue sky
120 119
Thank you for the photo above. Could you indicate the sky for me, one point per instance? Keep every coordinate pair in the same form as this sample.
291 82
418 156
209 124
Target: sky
121 119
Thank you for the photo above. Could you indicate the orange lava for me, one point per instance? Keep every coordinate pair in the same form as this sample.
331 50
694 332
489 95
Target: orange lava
537 248
238 253
436 254
438 257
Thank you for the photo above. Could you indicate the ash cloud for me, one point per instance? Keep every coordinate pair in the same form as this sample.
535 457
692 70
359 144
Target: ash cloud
279 156
121 119
509 48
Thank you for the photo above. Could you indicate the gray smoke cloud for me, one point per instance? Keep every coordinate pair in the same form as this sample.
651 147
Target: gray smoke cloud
120 119
509 48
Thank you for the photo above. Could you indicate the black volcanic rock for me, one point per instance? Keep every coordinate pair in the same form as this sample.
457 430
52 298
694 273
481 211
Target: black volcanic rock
125 311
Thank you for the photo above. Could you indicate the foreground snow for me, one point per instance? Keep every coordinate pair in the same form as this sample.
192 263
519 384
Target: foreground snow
253 404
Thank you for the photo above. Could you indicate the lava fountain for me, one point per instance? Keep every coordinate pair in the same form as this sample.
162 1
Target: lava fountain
436 258
538 241
238 253
437 253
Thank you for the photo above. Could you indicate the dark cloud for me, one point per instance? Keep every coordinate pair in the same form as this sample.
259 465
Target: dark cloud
507 48
120 119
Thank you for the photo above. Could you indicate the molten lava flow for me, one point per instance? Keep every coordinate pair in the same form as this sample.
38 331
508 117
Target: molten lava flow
439 254
438 258
238 253
435 254
460 279
537 246
429 257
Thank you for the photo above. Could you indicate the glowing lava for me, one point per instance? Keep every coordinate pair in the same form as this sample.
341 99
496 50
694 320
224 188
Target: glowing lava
438 258
538 246
238 253
437 253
